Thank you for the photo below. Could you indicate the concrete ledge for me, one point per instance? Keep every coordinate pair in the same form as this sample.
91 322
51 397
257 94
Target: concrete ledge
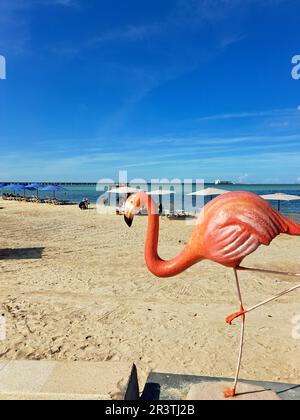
214 391
168 386
46 380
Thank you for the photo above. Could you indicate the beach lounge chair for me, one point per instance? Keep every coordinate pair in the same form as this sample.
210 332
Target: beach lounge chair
121 210
180 215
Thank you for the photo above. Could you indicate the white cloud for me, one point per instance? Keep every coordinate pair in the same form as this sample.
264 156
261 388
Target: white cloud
240 115
230 39
127 33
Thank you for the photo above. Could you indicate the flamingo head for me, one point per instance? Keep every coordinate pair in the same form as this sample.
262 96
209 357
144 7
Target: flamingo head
132 207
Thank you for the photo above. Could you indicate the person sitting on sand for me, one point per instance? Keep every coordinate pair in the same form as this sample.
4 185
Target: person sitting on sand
83 205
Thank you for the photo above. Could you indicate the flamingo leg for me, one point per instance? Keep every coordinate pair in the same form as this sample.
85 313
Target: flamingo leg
242 312
232 392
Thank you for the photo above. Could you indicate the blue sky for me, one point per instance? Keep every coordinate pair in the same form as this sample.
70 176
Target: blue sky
172 88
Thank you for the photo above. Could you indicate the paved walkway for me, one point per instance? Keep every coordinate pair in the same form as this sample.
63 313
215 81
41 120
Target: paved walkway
42 380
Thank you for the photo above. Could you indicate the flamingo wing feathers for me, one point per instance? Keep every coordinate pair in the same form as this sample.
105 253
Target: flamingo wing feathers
236 225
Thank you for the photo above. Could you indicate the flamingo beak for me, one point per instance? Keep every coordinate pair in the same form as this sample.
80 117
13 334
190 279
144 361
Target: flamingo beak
129 213
128 220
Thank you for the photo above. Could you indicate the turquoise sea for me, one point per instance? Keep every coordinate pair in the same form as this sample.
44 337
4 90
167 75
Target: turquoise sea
76 193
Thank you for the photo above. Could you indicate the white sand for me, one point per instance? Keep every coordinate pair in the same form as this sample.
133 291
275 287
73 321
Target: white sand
90 297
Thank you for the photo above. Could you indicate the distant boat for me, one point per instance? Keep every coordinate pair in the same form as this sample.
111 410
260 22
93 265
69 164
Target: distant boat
219 182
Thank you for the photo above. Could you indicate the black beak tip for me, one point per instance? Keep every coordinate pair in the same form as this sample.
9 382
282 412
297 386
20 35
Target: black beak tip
128 221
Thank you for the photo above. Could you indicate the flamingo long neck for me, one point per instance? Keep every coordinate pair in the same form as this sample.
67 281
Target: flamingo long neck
156 265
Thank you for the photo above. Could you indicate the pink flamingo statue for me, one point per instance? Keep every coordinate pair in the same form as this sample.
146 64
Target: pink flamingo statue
230 227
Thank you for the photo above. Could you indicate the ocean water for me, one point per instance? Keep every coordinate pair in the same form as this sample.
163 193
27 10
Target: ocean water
76 193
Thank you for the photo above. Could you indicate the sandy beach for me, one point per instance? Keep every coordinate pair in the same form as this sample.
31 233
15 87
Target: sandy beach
74 286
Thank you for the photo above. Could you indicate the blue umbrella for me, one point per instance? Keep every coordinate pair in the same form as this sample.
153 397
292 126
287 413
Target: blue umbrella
29 189
36 187
54 188
16 187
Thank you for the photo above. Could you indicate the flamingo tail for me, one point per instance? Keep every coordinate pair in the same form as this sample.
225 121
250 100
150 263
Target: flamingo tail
292 228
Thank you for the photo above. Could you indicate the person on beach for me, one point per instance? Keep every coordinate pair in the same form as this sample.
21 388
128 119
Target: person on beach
84 204
160 208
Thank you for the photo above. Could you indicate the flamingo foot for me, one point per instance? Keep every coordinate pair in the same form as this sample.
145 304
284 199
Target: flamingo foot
231 318
229 393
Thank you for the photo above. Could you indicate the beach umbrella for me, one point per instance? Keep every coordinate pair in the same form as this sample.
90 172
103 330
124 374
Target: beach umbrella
123 190
16 187
36 187
54 189
280 197
209 192
162 192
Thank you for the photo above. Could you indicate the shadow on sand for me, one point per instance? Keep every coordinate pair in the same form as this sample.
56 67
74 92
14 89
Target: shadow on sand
21 254
291 388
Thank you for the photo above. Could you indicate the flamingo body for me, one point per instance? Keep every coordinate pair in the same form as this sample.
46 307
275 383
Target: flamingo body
235 224
230 227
